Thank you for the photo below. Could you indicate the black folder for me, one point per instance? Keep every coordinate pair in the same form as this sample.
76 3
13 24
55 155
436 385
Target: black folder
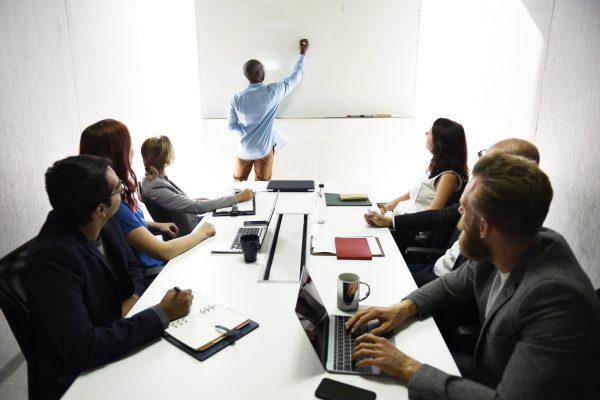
333 199
215 348
235 212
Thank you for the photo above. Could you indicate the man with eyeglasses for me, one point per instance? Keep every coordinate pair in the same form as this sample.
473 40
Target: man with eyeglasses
83 279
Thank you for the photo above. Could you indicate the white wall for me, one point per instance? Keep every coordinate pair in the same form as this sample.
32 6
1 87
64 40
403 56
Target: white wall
529 69
39 112
64 65
480 62
169 59
106 63
568 128
60 73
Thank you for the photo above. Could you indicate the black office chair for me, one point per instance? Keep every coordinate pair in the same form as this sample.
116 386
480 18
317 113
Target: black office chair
441 238
13 301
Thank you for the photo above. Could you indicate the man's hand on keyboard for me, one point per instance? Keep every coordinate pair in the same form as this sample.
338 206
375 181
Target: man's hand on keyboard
388 317
377 351
244 195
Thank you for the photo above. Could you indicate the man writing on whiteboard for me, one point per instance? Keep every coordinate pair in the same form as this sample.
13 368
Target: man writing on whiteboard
251 114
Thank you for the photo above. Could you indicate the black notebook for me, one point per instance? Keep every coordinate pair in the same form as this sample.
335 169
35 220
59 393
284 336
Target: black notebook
335 199
207 325
243 208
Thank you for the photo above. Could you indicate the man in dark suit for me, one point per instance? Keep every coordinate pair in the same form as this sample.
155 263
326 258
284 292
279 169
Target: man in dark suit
541 316
79 285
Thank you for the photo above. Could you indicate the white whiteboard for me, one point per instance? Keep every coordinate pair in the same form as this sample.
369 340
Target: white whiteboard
361 60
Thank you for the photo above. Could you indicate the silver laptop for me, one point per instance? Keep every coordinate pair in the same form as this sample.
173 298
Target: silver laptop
259 228
332 343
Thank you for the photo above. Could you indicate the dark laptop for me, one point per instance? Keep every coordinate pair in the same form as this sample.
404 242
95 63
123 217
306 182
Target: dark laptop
332 343
291 186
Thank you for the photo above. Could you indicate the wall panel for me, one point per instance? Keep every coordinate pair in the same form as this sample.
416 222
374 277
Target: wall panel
568 128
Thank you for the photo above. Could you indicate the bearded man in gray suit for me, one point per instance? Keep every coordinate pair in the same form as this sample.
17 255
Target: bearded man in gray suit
540 336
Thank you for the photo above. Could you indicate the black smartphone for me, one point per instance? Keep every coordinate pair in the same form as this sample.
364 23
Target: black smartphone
333 390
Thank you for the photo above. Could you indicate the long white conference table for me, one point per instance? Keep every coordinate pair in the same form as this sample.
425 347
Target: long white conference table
276 361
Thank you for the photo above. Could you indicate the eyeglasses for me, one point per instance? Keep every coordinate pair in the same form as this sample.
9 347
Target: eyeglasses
481 153
120 190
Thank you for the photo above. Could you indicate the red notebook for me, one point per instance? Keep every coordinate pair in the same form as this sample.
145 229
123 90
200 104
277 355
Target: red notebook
347 248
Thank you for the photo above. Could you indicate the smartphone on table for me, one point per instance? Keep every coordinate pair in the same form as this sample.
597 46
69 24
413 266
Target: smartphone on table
334 390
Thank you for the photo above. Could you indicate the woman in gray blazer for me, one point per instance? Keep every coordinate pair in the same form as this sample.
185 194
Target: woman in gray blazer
165 200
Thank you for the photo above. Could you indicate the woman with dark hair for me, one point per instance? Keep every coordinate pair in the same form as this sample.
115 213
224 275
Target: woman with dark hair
166 201
443 180
110 138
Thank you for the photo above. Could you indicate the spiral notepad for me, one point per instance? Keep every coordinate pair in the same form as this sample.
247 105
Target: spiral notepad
198 331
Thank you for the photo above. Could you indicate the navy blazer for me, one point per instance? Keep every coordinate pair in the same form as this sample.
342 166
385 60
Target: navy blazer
75 304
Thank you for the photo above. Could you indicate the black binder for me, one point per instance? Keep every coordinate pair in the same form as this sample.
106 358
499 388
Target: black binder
235 212
233 336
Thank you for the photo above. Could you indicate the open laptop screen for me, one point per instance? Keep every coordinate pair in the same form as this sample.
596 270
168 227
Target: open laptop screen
313 316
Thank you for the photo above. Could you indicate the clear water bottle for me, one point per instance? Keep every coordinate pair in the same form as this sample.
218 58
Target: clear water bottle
321 206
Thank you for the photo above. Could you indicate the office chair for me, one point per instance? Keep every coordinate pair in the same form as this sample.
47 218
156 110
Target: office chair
441 238
429 254
13 302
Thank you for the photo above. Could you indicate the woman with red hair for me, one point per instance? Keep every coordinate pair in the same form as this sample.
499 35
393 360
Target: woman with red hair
110 138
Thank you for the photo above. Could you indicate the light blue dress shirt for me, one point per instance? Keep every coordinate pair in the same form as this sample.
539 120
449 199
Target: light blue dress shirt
252 111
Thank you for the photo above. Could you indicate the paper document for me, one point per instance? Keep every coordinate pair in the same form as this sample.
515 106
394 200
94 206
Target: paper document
241 207
256 186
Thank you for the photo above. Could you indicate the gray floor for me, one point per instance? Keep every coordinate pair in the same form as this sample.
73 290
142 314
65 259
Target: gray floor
13 385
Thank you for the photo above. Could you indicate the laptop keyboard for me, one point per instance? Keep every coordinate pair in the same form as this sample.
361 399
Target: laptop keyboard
241 232
344 344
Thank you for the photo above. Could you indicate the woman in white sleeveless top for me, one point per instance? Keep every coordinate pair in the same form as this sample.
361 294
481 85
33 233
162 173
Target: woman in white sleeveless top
446 174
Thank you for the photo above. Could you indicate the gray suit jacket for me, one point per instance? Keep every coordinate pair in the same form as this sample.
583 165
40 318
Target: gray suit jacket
541 339
167 203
